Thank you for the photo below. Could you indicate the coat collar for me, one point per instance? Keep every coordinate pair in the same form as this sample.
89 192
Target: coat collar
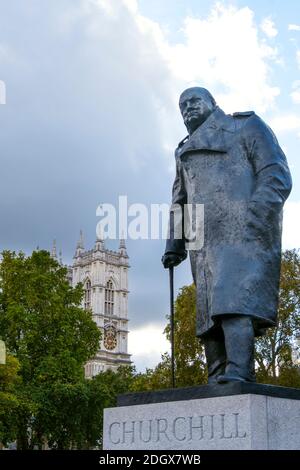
211 135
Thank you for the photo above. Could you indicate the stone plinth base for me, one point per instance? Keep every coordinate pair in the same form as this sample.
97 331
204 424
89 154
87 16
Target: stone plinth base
236 416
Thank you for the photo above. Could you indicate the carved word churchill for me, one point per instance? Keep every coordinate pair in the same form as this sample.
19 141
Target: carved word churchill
181 428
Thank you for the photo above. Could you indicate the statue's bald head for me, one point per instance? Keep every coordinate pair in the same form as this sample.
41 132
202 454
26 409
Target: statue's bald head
196 104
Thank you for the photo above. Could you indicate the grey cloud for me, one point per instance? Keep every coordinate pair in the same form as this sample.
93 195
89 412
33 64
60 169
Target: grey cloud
81 126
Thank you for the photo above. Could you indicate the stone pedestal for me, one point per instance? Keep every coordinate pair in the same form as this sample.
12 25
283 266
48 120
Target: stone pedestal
236 416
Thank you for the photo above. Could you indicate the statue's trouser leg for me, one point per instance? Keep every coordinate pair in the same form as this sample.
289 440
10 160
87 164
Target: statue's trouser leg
239 343
215 356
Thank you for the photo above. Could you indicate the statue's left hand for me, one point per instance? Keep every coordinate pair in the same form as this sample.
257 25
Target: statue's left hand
170 260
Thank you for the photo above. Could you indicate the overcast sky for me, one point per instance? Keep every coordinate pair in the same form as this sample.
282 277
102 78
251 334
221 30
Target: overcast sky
91 113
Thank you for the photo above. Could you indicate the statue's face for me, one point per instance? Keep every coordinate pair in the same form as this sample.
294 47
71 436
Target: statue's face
195 108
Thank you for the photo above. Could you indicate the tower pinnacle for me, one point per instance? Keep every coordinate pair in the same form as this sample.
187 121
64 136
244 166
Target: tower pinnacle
80 245
53 251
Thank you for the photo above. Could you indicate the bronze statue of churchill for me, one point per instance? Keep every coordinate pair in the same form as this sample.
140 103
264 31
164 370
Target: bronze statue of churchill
234 166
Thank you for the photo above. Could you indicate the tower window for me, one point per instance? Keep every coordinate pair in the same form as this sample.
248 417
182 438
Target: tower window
87 295
109 299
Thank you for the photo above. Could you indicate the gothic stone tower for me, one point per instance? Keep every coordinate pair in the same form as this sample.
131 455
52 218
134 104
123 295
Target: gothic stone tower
104 275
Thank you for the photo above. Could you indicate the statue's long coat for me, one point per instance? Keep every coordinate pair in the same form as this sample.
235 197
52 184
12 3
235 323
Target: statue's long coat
234 166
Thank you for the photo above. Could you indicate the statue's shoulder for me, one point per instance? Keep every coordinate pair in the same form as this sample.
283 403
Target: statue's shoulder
243 114
250 120
251 124
180 145
183 141
241 118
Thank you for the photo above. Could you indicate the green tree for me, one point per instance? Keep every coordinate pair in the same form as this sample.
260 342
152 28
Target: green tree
52 337
41 320
103 390
9 402
70 415
154 379
274 350
189 354
59 417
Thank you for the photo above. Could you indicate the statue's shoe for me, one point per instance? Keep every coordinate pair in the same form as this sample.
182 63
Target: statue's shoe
223 379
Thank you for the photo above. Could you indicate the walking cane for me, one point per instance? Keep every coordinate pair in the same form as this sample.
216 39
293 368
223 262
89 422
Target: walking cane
171 277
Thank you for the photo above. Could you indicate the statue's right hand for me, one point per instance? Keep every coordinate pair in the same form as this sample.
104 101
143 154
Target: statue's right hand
171 259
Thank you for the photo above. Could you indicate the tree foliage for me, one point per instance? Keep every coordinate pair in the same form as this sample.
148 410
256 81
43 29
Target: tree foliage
274 351
41 320
51 337
103 390
9 403
189 354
